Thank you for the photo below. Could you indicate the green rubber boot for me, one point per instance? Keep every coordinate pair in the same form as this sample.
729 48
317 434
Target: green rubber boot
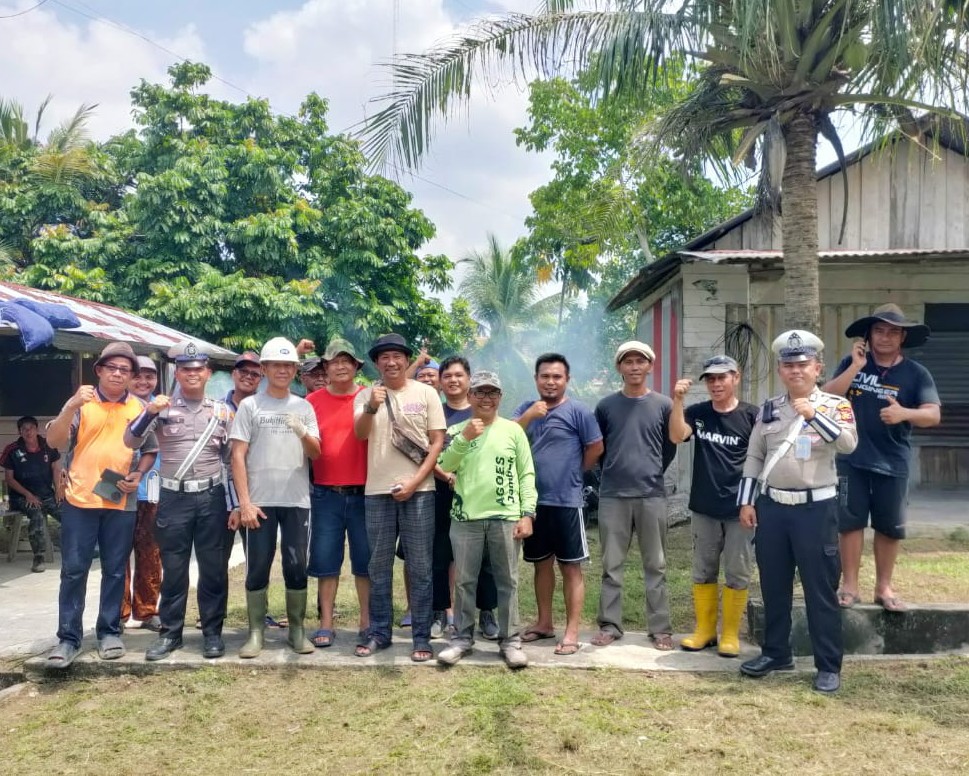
257 602
296 613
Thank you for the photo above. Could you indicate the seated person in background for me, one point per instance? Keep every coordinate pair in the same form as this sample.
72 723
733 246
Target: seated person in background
33 476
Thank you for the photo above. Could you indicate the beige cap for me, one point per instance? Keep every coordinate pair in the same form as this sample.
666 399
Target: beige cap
634 346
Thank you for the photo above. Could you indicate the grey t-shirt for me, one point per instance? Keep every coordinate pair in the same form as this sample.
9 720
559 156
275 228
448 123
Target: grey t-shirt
278 469
638 448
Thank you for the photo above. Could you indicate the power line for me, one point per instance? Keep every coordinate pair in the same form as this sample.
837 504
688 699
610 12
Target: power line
95 16
25 11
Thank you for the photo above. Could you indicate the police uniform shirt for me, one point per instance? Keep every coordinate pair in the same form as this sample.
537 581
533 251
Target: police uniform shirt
180 426
809 461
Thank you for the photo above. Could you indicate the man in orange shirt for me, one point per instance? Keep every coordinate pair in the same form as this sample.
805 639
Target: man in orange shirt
100 481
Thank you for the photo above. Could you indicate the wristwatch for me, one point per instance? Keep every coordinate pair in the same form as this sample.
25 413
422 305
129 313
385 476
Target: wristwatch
370 410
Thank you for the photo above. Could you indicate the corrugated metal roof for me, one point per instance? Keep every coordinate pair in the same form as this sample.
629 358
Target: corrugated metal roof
105 323
894 254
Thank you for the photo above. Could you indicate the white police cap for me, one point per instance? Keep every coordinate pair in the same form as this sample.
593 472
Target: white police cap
797 345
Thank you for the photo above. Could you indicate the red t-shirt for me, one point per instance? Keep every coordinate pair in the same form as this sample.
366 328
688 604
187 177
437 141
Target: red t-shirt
343 457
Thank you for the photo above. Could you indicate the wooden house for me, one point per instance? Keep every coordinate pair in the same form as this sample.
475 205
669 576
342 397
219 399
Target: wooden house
906 240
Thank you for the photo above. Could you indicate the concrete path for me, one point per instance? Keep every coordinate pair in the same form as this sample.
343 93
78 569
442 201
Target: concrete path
28 607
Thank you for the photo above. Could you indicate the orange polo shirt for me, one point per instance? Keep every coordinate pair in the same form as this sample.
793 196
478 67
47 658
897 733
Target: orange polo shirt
97 434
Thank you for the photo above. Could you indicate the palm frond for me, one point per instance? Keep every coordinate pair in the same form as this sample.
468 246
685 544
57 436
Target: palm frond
428 86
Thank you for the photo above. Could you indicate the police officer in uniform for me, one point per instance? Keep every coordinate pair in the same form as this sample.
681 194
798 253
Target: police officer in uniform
789 492
193 433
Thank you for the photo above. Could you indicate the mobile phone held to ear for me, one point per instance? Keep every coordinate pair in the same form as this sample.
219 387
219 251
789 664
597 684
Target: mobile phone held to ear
107 486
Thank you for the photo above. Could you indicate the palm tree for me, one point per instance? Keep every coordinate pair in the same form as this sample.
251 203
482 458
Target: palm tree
770 76
502 291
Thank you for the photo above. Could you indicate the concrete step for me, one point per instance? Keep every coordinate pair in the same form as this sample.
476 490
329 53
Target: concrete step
870 630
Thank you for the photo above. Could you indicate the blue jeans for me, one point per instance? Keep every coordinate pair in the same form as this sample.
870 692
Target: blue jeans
414 519
112 531
337 518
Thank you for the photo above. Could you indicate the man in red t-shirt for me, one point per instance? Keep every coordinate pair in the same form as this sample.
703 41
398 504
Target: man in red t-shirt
339 475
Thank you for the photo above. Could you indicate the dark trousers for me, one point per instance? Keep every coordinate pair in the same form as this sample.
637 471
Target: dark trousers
185 520
112 532
804 536
486 595
292 524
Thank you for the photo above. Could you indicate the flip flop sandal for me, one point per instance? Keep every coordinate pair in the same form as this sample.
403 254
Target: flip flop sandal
422 655
662 641
111 648
62 655
891 603
567 647
847 600
369 648
531 635
604 638
272 622
323 637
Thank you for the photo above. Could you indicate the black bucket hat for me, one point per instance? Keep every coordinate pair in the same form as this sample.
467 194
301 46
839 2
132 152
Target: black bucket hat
915 333
389 342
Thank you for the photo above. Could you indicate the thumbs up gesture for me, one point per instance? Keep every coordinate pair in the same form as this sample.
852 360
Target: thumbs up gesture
893 413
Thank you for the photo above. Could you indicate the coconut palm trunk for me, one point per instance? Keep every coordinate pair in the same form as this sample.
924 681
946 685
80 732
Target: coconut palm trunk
799 204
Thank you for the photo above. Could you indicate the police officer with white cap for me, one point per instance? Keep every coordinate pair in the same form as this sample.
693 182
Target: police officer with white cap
789 491
193 440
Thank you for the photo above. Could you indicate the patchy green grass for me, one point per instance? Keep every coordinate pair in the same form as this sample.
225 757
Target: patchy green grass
932 567
482 721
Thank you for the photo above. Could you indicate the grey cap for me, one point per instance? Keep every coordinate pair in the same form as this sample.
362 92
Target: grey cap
719 365
146 363
485 379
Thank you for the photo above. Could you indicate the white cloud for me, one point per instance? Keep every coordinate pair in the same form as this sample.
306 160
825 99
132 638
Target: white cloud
82 61
335 47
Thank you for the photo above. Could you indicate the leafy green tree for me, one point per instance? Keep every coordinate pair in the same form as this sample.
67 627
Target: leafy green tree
771 73
235 224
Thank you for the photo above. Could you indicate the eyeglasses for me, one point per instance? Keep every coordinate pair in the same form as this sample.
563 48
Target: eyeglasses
249 374
120 369
486 394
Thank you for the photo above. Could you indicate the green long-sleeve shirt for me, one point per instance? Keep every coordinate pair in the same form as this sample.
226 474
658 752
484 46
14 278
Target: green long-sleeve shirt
495 472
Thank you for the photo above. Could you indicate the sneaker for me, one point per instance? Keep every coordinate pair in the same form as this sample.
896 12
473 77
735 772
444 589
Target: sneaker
437 625
488 625
38 567
452 654
514 657
153 624
450 631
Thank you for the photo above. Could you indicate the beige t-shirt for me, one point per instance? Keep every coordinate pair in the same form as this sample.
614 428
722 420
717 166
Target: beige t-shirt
418 409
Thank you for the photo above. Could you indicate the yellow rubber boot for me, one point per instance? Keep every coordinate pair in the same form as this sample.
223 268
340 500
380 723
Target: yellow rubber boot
705 605
734 603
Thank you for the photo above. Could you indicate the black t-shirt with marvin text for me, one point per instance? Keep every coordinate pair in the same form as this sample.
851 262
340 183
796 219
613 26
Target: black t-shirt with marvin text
719 452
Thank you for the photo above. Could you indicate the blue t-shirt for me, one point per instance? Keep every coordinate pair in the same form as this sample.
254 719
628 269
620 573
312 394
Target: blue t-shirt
558 443
882 448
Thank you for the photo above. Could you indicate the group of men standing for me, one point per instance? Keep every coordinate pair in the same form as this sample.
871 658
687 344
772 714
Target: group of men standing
460 488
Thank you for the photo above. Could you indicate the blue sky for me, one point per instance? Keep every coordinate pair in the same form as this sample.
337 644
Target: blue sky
475 181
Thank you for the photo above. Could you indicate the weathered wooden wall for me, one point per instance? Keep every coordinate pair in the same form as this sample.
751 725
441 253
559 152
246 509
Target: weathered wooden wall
902 197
